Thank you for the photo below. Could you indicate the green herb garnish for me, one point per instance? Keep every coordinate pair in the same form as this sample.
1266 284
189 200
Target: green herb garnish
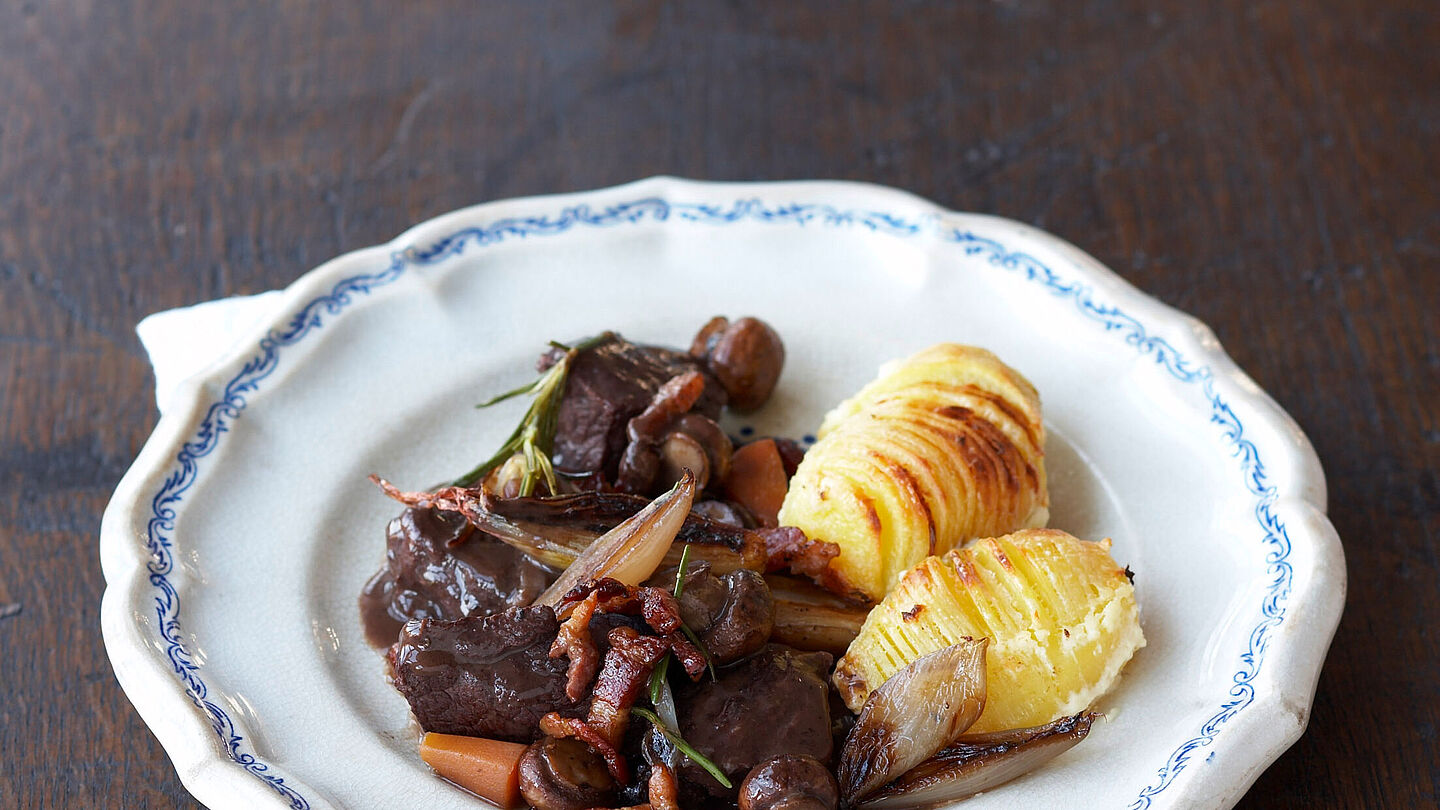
685 748
680 571
534 438
657 679
704 653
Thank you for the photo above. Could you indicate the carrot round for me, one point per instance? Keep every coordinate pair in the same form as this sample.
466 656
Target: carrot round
488 768
757 480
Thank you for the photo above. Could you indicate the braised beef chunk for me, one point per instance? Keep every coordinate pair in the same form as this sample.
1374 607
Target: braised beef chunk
437 567
483 676
775 702
607 387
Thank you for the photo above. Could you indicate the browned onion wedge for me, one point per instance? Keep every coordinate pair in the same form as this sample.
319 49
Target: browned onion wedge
556 546
918 711
633 550
809 617
555 530
979 762
816 627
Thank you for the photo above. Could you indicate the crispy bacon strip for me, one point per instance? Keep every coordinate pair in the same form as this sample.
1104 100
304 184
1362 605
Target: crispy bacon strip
641 460
672 399
655 605
663 789
788 547
574 642
623 677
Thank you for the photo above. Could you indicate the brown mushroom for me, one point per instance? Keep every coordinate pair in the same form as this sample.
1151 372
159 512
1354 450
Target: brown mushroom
745 356
666 439
721 512
564 774
639 465
745 619
678 453
733 614
789 783
708 336
718 447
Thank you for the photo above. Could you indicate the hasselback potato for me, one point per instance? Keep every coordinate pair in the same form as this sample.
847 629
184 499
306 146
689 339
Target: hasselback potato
945 446
1060 614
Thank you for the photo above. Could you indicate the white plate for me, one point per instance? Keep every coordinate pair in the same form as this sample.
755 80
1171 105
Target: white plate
235 547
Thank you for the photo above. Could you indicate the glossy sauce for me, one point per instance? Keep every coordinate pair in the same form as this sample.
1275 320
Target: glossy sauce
438 567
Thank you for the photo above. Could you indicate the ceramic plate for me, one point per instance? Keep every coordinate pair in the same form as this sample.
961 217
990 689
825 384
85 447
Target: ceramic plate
235 547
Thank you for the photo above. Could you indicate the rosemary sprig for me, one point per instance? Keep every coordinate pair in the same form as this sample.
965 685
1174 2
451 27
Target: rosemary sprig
534 438
660 696
685 748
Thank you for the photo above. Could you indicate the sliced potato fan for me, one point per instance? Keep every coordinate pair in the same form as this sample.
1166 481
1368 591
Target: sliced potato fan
943 447
949 364
1059 612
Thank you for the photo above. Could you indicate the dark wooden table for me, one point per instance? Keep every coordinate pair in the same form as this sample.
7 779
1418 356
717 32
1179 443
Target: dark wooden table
1271 167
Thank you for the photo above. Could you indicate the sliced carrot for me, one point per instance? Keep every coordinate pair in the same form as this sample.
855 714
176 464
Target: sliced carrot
488 768
757 480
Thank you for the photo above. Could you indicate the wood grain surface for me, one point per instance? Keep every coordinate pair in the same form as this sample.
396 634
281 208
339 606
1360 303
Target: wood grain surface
1270 167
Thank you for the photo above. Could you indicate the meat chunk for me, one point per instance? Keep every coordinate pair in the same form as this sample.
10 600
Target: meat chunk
483 676
775 702
438 567
608 386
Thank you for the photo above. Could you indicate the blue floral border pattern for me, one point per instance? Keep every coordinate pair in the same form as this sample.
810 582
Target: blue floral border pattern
313 316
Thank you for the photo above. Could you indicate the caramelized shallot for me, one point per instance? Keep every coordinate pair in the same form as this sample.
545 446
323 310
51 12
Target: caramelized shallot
816 627
918 711
633 550
979 762
809 617
555 530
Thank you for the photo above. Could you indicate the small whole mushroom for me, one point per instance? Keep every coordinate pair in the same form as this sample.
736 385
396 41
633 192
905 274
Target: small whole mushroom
564 774
733 614
789 783
745 356
745 619
666 439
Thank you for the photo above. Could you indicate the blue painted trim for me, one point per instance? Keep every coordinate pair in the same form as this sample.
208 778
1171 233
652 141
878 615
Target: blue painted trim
313 315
